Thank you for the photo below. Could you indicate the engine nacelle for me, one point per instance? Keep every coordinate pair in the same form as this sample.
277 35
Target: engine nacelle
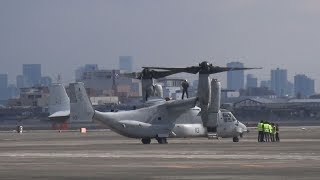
214 106
204 91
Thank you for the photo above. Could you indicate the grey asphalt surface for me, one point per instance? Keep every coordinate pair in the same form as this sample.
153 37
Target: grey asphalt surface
102 154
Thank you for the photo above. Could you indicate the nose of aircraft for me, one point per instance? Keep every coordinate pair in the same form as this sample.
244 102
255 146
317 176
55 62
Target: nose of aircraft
243 127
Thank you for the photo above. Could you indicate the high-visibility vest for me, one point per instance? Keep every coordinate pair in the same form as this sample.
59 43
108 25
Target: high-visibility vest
270 129
266 127
260 126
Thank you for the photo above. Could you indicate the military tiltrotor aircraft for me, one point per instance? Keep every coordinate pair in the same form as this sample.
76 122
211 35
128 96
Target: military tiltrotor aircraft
209 113
165 119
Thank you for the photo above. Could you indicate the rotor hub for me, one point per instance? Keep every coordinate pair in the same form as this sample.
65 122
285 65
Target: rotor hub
204 67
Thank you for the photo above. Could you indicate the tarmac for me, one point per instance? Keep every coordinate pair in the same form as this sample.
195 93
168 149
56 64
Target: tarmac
103 154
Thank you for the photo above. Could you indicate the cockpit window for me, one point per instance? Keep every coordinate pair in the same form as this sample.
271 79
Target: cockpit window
226 115
227 119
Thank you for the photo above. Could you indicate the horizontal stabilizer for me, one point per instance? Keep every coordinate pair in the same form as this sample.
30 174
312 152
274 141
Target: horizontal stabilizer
60 114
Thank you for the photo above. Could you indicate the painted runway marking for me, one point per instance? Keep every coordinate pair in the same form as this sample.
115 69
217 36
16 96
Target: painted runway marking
164 156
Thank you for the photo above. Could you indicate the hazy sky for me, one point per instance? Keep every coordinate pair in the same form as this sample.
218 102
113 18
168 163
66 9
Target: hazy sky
65 34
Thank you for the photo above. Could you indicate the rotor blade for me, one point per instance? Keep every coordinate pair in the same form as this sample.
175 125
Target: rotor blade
161 74
191 69
134 75
218 69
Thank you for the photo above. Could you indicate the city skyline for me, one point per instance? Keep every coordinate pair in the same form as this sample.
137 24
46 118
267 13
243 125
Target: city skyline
63 35
92 67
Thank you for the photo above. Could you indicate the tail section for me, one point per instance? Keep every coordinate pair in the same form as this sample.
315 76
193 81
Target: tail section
81 107
59 102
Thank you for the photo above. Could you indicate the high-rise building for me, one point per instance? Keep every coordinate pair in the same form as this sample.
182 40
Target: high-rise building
13 92
106 81
91 67
20 81
235 79
266 84
32 74
252 81
290 89
125 63
86 68
279 81
3 86
303 85
3 81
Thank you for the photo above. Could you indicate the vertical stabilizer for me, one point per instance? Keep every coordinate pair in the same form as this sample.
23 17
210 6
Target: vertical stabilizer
80 105
59 102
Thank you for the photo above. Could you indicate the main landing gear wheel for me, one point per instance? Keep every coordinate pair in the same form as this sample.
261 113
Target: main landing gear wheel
162 140
146 140
235 139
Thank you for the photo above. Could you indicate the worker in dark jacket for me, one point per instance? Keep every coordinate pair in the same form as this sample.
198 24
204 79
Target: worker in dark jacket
185 86
277 133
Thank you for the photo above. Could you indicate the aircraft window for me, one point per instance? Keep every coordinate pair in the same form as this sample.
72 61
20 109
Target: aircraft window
226 115
227 119
197 130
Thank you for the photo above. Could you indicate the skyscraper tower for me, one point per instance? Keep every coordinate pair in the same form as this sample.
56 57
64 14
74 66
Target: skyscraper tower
32 74
3 86
303 85
279 81
125 63
235 79
252 81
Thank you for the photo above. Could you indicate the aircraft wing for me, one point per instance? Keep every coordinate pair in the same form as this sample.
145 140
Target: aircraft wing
181 105
60 114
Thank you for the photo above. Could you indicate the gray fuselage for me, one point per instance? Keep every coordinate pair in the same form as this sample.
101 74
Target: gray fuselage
159 121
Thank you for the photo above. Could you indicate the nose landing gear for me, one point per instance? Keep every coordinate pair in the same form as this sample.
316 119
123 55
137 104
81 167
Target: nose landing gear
146 140
235 139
